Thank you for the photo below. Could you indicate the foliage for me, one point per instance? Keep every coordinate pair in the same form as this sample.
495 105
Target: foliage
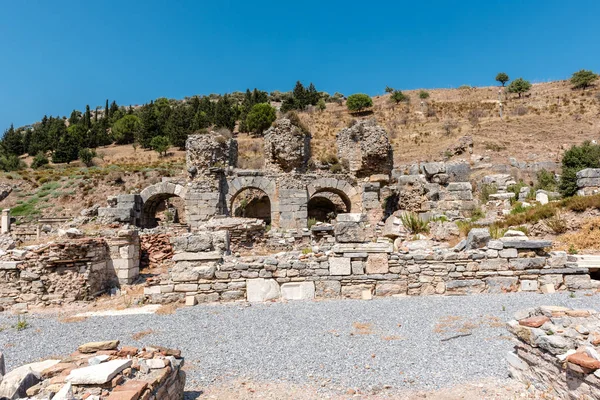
496 231
260 118
311 222
389 89
574 160
321 105
531 215
583 79
301 98
414 223
518 208
358 102
516 188
160 144
486 190
582 203
545 180
519 86
557 224
423 94
39 160
21 323
67 149
11 162
86 156
502 77
398 97
125 129
464 227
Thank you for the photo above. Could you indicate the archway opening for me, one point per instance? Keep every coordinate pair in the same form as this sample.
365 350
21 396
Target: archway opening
325 205
163 209
252 203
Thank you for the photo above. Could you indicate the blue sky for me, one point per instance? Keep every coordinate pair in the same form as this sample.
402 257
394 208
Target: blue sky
57 56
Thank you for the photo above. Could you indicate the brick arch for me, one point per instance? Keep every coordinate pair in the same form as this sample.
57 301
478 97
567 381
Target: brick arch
153 195
241 183
345 190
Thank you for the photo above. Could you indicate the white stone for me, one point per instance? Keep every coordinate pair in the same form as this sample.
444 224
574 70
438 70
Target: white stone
65 393
13 381
97 374
298 291
563 357
515 361
508 253
366 294
529 285
548 288
513 233
541 198
339 266
152 290
260 289
155 363
190 300
98 359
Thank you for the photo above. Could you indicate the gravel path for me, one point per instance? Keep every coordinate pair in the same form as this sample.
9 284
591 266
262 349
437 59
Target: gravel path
397 343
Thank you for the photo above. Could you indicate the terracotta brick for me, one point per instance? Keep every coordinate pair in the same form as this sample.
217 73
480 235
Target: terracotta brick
534 322
584 360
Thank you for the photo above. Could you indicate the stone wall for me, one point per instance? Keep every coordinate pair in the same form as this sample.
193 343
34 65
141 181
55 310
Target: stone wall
365 148
67 271
588 181
358 270
100 370
557 351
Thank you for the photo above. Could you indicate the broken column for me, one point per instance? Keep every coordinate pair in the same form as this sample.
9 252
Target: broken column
5 228
287 147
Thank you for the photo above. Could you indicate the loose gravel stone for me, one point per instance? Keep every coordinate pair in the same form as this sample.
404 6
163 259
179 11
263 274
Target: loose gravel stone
403 343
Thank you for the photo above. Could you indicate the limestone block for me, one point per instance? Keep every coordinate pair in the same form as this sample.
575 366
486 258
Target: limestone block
97 374
355 291
339 266
478 238
260 289
190 300
508 253
152 290
358 268
186 287
390 288
548 288
377 264
575 282
541 197
502 284
298 291
327 289
529 285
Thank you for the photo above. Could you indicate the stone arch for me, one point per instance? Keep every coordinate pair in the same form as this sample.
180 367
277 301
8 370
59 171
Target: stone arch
243 183
348 193
154 195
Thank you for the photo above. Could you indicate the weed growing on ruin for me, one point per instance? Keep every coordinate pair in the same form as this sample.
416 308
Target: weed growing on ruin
21 324
311 222
414 223
572 250
486 191
306 250
557 224
464 227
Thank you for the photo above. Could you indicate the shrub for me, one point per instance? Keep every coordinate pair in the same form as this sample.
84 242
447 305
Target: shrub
518 208
321 105
423 94
311 222
502 77
545 180
449 125
519 86
160 144
126 129
464 227
389 89
11 163
574 160
398 97
557 224
531 215
583 79
86 156
296 121
582 203
486 190
520 111
414 223
260 118
39 160
336 168
359 102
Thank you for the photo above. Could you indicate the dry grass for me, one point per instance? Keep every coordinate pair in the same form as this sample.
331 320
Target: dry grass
142 334
588 237
167 309
392 338
362 328
456 324
72 319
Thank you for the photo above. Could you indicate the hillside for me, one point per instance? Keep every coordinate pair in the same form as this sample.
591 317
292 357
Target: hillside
537 127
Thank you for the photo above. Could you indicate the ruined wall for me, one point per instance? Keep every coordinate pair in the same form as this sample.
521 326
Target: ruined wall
210 150
365 148
588 181
287 147
557 351
355 270
67 271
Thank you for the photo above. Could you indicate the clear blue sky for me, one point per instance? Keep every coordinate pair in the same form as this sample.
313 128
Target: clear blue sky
57 56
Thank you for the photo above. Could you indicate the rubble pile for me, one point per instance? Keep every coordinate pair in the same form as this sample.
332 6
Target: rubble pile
155 249
100 370
557 351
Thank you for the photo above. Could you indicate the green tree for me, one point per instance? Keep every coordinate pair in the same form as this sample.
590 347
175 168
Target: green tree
106 110
312 95
66 151
321 105
423 94
179 125
519 86
300 95
12 141
87 122
358 102
160 144
398 97
502 77
39 160
86 156
149 125
225 114
126 129
389 89
583 79
574 160
260 118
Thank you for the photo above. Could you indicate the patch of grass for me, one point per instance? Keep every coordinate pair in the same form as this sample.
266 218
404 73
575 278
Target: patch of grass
414 223
464 227
588 237
486 190
557 224
496 232
581 203
531 215
518 208
21 324
311 222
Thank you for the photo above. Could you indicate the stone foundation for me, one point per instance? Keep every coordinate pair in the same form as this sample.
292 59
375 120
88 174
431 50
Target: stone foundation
101 370
69 270
557 351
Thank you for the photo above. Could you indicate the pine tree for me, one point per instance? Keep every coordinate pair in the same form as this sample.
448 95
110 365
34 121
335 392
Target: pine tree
225 114
87 122
300 96
66 151
149 127
12 141
106 110
312 95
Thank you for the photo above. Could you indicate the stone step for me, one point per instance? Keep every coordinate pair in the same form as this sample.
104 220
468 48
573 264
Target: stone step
363 248
207 256
527 244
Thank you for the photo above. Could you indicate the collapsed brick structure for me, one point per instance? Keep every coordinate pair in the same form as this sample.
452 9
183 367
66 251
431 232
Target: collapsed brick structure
68 270
100 370
557 351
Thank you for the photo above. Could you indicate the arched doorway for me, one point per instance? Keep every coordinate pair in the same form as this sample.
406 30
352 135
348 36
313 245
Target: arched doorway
251 203
324 206
163 203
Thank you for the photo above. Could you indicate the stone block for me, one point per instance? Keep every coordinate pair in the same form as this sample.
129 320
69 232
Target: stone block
502 284
508 253
190 300
327 289
259 290
186 287
358 268
529 285
339 266
377 264
390 288
478 238
298 291
150 290
495 245
355 291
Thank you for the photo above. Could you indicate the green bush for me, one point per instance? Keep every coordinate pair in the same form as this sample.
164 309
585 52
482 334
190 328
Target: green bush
39 160
11 163
359 102
574 160
423 94
545 180
519 86
160 144
398 97
86 156
502 77
583 79
486 190
260 118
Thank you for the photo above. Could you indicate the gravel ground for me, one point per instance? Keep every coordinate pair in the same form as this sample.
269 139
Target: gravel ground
422 343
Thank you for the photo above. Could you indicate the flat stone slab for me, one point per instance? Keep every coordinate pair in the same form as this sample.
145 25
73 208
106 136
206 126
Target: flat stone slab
7 265
260 289
149 309
93 347
527 244
97 374
363 248
340 266
206 256
298 291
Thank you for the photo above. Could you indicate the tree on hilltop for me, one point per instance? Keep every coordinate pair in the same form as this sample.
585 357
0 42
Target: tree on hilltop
358 102
399 97
583 79
519 86
260 117
502 77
